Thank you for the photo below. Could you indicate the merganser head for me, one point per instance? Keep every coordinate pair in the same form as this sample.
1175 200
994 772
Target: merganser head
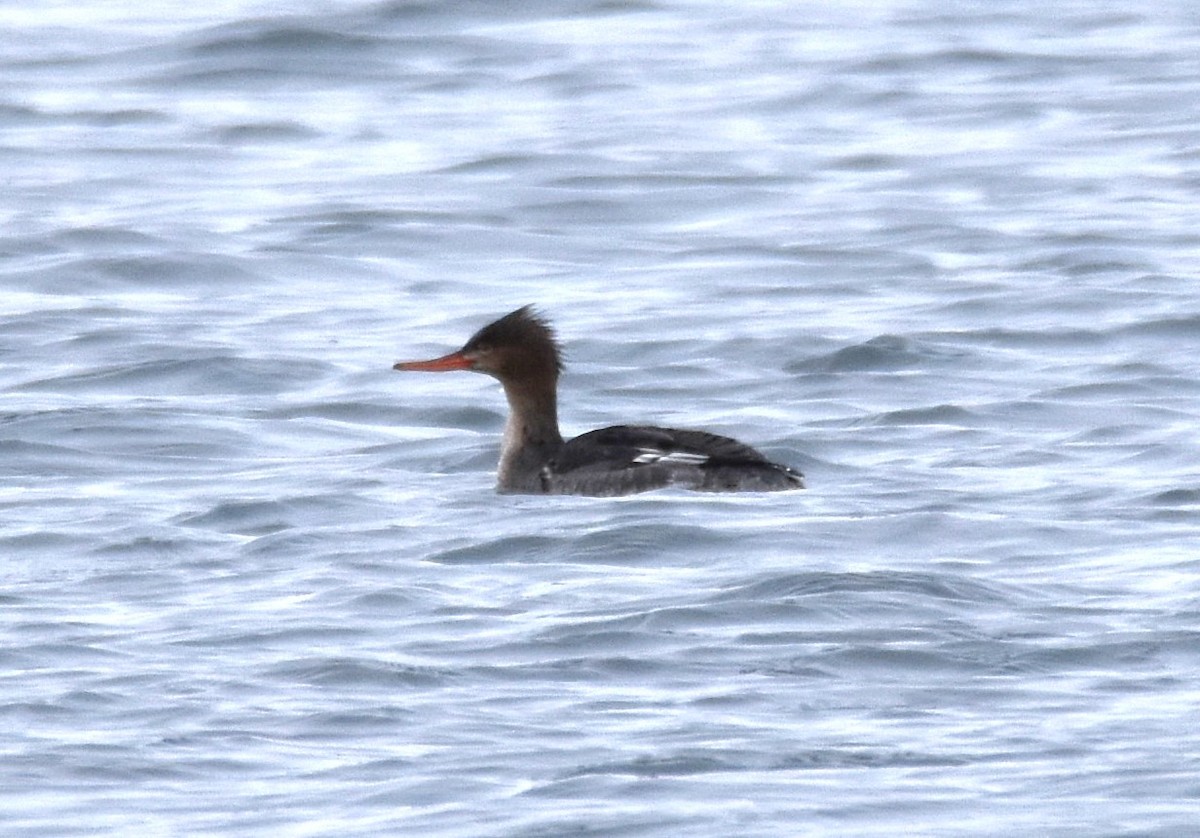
518 346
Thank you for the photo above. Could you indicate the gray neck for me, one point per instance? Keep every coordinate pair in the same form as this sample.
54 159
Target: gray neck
531 436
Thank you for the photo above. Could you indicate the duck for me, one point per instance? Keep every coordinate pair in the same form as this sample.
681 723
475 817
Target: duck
521 351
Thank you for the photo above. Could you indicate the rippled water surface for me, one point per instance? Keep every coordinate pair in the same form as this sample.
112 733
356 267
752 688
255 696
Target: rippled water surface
940 257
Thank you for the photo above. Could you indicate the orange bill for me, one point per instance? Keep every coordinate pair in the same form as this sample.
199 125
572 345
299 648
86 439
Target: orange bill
453 361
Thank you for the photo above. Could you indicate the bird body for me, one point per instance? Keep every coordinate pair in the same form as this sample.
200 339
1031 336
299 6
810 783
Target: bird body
520 349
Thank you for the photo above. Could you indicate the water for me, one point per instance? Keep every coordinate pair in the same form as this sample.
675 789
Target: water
939 257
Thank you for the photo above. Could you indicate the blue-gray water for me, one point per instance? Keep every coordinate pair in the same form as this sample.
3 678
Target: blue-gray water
939 256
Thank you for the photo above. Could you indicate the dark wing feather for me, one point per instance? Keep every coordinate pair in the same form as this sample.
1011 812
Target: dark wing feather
623 446
634 458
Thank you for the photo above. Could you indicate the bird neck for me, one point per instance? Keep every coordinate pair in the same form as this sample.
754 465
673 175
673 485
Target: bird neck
531 436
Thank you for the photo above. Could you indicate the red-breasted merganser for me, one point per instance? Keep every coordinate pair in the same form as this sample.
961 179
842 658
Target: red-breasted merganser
520 350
